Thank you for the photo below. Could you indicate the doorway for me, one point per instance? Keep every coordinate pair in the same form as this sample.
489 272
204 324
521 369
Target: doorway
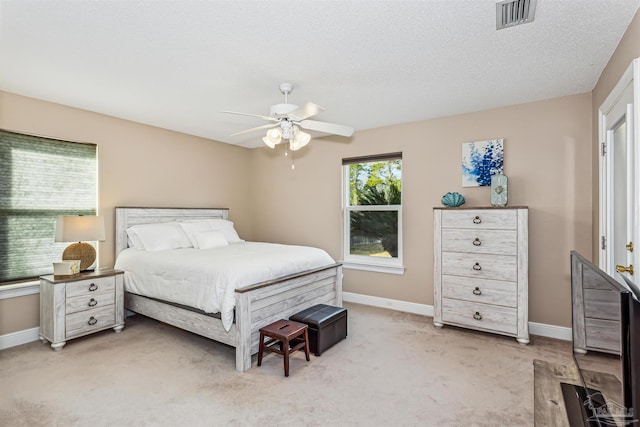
619 153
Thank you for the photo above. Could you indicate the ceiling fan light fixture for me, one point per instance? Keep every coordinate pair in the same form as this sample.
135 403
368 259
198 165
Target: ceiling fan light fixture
272 138
299 140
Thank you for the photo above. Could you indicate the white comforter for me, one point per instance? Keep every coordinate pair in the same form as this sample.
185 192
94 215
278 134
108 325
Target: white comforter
207 278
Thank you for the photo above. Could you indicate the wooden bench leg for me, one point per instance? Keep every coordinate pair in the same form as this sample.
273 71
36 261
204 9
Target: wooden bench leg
285 344
306 344
260 348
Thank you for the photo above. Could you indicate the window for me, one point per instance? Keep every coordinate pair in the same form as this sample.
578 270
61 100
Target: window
40 178
372 209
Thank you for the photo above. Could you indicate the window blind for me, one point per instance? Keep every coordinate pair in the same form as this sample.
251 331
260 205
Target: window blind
40 178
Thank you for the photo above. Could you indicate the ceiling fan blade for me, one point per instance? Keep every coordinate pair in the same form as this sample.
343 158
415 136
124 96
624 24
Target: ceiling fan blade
326 127
269 125
273 119
307 110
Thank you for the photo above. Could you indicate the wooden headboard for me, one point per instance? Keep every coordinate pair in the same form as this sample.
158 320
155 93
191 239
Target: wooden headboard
127 217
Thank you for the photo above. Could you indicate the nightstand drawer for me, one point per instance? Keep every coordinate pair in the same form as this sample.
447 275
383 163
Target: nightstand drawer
498 267
90 286
499 242
90 320
480 316
480 219
88 302
483 291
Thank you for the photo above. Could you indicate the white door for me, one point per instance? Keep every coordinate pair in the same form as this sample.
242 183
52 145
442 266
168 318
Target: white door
619 167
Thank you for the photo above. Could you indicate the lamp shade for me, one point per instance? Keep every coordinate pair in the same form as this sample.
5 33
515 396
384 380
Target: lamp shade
299 140
273 137
79 229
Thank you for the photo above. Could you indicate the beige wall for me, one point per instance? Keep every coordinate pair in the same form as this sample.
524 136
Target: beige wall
138 166
547 159
628 49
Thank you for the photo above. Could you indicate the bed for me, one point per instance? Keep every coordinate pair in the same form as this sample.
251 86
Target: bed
254 304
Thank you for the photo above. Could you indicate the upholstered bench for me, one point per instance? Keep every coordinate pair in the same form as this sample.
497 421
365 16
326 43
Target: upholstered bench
327 325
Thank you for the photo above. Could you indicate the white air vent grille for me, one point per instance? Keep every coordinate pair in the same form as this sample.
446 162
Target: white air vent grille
514 12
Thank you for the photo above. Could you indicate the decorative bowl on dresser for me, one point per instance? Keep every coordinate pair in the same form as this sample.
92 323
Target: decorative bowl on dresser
481 269
80 304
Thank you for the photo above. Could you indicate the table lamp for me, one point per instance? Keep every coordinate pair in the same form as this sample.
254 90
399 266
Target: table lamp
80 229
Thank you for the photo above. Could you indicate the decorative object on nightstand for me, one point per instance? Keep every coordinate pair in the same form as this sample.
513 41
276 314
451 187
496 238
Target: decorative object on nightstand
66 268
452 200
481 270
498 190
80 229
80 305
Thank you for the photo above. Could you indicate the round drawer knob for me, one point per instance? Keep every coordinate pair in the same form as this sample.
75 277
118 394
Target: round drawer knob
477 267
477 242
477 220
477 291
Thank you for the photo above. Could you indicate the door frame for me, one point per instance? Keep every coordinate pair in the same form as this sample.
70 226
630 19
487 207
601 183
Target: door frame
631 75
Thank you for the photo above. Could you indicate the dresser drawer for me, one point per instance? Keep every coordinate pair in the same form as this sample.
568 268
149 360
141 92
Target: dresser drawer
91 320
482 291
602 304
498 267
90 286
498 242
480 219
603 334
480 316
88 302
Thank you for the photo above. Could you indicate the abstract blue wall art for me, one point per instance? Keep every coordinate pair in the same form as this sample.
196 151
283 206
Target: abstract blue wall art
480 160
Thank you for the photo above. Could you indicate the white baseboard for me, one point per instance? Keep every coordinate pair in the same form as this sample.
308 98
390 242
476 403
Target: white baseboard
541 329
18 338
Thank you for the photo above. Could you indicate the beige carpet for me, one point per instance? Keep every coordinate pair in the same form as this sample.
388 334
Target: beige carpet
394 369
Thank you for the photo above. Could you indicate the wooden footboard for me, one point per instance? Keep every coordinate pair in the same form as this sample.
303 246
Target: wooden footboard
261 304
256 306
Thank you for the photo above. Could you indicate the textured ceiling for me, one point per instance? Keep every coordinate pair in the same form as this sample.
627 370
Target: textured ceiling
178 64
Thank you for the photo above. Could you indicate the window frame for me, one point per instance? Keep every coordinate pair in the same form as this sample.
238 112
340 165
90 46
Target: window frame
364 262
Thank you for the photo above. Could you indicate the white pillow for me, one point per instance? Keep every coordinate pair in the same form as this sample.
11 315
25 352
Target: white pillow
192 228
227 229
133 241
211 239
161 236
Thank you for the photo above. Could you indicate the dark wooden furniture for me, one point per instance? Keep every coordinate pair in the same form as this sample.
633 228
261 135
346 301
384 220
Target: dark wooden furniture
327 325
288 335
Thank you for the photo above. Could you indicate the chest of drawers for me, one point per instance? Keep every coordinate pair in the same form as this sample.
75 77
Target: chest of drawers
74 306
481 269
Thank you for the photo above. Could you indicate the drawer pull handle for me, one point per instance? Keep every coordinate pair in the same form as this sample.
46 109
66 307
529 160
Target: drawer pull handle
477 316
477 291
477 220
477 267
92 321
93 302
477 242
93 287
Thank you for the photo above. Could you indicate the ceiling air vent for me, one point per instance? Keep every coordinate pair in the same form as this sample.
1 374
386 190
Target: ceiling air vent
510 13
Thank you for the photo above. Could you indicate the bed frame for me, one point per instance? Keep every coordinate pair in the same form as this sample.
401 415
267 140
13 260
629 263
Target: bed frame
256 305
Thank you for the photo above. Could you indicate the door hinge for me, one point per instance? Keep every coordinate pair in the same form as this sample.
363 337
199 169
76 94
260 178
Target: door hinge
604 242
604 148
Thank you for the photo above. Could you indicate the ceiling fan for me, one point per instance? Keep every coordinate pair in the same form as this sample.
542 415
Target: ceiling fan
288 120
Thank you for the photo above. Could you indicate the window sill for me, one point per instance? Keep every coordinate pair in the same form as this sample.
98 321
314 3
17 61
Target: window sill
19 289
373 267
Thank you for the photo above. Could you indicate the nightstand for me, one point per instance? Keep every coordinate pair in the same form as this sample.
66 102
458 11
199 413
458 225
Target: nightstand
78 305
